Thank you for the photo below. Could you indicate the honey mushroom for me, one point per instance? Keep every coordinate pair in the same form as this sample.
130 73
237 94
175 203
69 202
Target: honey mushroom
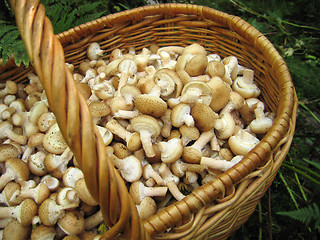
171 106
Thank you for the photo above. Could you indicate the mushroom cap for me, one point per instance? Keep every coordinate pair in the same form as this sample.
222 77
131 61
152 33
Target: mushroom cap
9 190
180 114
203 116
216 69
173 85
8 151
15 230
189 133
134 142
20 168
146 123
53 140
220 93
191 155
72 223
242 143
171 150
99 109
28 209
225 126
147 208
84 89
131 169
151 105
203 88
131 90
43 232
196 65
194 48
83 192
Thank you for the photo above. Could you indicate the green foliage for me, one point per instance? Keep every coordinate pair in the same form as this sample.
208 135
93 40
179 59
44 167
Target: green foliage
305 215
63 15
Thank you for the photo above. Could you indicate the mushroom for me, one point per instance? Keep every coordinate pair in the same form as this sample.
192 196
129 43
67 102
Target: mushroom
58 164
242 142
49 212
83 192
45 121
6 131
15 230
139 191
193 153
93 220
169 83
170 181
220 164
8 151
106 135
216 68
103 90
42 232
149 172
53 140
196 91
67 196
38 194
220 91
15 169
24 212
132 140
72 223
171 150
94 52
245 85
231 66
203 116
7 193
10 88
130 167
51 182
71 176
167 125
181 114
129 93
179 168
261 124
142 59
127 69
188 134
224 126
120 150
149 128
147 208
151 103
98 110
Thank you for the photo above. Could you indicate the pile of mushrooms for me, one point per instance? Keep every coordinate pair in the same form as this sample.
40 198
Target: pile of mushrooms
172 118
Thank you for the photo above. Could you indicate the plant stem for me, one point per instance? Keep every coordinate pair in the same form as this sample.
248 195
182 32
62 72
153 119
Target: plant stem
260 221
309 111
303 168
302 173
288 189
298 181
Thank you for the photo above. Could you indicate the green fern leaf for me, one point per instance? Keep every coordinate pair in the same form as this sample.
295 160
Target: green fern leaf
305 215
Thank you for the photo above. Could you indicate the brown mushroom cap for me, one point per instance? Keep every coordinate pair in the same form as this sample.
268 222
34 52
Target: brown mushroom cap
147 208
42 232
216 69
196 65
28 209
72 223
220 93
180 115
191 155
8 151
53 140
151 105
203 116
83 192
203 90
188 133
15 230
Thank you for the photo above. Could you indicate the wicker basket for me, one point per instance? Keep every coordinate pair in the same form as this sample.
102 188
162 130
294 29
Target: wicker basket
214 210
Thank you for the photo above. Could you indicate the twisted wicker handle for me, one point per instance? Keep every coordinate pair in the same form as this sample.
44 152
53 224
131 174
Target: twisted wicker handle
74 119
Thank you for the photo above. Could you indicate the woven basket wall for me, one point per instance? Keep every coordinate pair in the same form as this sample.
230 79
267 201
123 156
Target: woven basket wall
213 213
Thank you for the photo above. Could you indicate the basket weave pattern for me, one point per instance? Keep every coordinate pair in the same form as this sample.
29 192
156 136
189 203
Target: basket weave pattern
216 209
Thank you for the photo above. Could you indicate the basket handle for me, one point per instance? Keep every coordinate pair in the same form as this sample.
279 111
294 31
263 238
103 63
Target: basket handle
75 122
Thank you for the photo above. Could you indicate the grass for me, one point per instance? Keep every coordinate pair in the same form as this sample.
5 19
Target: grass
293 28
